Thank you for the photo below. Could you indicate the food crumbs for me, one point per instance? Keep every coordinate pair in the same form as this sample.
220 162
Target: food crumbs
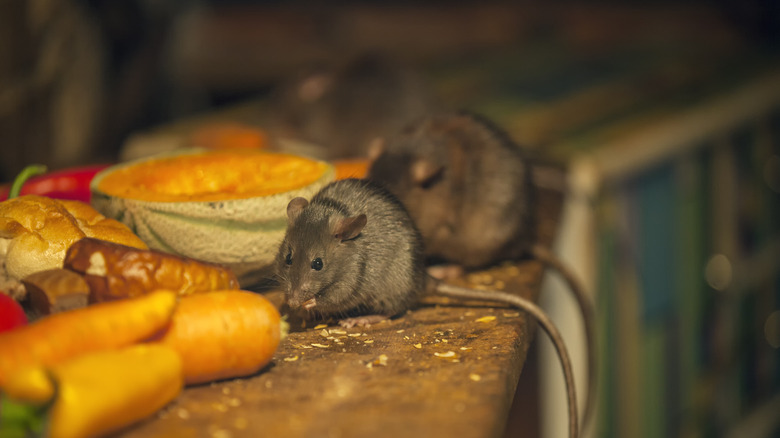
221 433
337 332
511 315
368 341
417 345
183 413
400 331
475 377
353 335
447 354
320 326
291 359
381 360
324 333
234 402
320 345
465 348
486 319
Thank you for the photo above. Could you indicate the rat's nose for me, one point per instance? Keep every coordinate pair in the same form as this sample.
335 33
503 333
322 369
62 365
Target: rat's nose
296 298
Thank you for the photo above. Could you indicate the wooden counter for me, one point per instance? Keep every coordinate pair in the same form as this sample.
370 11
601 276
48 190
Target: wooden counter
445 369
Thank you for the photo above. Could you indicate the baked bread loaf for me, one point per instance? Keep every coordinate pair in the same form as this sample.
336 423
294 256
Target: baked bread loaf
115 271
36 231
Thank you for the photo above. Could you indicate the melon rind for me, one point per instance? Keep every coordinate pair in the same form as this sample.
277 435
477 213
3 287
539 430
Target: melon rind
243 234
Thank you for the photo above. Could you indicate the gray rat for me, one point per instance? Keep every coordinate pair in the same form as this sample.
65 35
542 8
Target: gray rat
342 109
471 192
353 252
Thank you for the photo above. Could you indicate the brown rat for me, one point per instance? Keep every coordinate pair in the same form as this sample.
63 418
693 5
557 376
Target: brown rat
471 192
343 108
353 252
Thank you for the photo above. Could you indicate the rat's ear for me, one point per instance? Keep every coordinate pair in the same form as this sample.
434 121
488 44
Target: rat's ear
425 173
295 207
313 87
349 227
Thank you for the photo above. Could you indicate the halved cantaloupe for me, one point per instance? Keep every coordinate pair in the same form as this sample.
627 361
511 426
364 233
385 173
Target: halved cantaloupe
226 207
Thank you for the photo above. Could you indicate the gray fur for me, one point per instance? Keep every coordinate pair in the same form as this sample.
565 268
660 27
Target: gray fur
380 271
476 209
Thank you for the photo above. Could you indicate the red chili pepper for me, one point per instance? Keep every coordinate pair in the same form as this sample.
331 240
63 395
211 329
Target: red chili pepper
11 313
63 184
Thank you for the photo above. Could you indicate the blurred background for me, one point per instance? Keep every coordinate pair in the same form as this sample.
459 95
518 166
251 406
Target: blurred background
667 113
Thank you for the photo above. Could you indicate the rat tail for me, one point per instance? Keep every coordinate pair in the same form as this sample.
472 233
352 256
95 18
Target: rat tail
545 255
543 320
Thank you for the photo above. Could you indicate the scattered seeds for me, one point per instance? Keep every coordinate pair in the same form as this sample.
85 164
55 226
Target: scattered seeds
447 354
221 433
381 360
291 359
234 402
475 377
417 345
320 326
240 423
320 345
486 318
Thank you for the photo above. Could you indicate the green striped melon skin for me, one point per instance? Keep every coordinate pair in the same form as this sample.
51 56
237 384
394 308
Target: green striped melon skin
243 234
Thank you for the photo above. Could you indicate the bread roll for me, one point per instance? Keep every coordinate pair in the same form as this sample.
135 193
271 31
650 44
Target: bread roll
36 231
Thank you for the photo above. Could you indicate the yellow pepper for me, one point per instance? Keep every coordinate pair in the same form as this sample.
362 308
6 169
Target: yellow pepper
100 392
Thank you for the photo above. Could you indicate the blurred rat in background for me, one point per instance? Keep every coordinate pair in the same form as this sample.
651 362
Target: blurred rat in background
342 109
471 191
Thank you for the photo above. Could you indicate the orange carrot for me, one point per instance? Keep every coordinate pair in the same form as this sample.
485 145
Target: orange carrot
62 336
223 334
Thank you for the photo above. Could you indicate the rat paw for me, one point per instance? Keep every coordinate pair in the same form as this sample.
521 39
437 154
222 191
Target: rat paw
361 321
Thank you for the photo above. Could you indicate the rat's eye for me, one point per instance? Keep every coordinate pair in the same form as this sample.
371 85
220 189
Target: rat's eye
288 259
316 264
